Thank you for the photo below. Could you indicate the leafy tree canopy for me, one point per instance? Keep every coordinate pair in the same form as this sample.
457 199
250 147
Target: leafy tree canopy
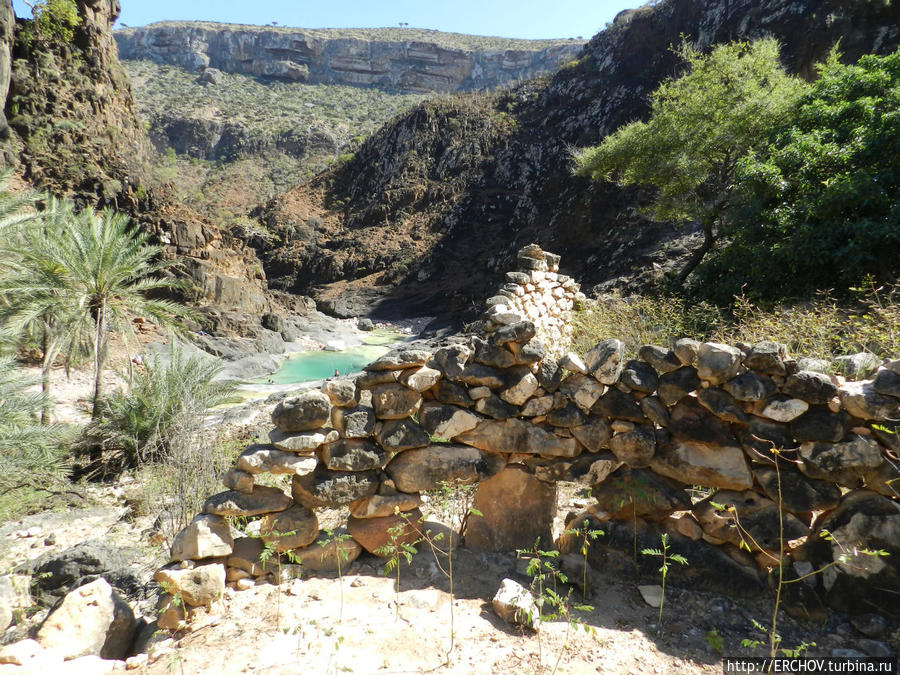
821 199
700 125
55 19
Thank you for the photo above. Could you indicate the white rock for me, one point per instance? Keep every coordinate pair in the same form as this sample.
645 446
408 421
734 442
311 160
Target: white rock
514 604
785 411
335 346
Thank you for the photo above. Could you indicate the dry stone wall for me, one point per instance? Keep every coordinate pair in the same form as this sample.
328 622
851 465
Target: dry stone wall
770 444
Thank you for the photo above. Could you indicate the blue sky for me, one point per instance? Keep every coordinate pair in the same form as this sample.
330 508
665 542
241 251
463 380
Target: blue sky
507 18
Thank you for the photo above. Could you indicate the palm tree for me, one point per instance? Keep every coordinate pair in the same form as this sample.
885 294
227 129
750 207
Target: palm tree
113 272
30 454
36 284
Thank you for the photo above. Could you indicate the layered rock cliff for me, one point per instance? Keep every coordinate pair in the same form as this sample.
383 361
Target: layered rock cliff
406 60
73 132
438 201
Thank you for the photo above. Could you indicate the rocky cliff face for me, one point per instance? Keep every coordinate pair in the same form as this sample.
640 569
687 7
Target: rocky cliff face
319 58
443 197
73 132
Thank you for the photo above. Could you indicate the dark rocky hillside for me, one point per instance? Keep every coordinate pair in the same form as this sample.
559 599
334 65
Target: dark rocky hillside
72 130
433 206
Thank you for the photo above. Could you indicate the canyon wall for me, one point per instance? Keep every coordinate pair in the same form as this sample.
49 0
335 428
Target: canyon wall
297 55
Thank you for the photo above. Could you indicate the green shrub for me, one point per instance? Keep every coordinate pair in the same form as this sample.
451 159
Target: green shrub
56 19
165 407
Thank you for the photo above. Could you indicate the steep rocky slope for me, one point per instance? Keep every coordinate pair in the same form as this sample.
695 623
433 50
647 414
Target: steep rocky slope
405 59
73 131
441 198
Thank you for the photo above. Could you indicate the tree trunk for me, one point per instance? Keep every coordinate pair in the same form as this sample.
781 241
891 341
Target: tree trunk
46 364
700 252
99 358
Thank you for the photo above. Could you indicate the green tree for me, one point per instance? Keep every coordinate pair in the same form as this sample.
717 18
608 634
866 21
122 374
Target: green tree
114 274
36 284
55 19
700 125
821 207
31 454
169 397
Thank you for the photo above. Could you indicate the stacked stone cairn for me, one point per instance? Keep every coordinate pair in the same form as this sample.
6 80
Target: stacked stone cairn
536 292
762 437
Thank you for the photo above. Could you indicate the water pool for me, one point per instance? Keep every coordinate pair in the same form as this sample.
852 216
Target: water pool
318 365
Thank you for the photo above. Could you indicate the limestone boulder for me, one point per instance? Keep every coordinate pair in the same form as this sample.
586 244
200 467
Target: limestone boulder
566 417
690 421
857 583
584 470
496 407
424 469
783 408
452 393
767 357
235 479
634 448
594 434
379 506
262 499
301 442
758 517
92 619
198 586
248 556
887 383
861 400
324 487
292 528
549 375
310 410
750 386
798 493
420 379
675 385
582 389
661 359
606 360
400 359
395 401
400 435
516 509
267 459
618 405
330 553
446 421
451 360
722 404
640 376
342 392
810 386
520 332
352 454
699 464
819 423
514 435
573 363
516 605
478 375
845 463
356 422
205 537
520 388
627 493
655 411
379 536
858 365
718 363
537 406
686 350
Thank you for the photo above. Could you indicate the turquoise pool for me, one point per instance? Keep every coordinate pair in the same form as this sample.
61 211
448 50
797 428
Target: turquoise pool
318 365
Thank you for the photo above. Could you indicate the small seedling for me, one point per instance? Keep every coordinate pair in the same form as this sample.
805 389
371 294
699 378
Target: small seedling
715 641
396 550
667 560
587 535
337 538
